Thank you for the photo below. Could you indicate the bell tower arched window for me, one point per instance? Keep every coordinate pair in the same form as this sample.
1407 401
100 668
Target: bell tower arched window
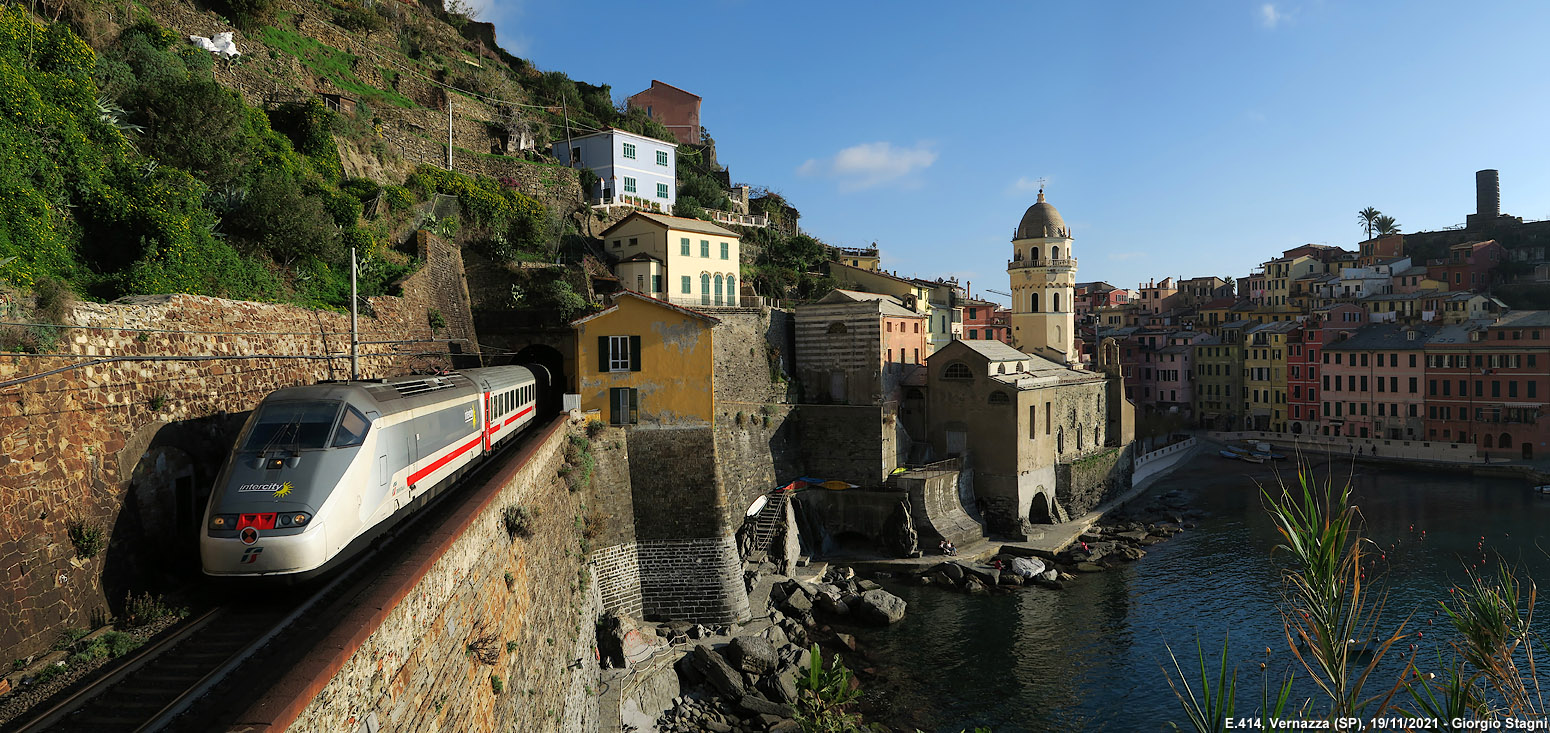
1054 253
1033 303
1054 302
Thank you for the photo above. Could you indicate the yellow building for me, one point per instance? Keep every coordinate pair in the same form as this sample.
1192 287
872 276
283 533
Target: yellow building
683 261
1264 374
1043 274
937 301
866 258
643 361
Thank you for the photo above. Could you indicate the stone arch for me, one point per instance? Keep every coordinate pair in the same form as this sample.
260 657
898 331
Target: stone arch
1041 510
1488 440
551 360
999 398
1054 252
1506 441
957 370
1297 430
837 327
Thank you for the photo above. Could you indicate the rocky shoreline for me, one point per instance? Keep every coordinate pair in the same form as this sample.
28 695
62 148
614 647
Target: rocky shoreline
1120 537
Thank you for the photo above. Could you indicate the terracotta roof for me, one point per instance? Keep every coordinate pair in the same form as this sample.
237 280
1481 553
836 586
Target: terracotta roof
673 222
653 301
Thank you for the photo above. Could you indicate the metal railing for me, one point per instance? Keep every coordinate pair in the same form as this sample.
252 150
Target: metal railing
637 202
1015 264
747 220
702 302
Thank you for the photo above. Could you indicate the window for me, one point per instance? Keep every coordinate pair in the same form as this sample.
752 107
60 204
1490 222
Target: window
687 287
837 327
618 243
661 190
1512 388
656 283
618 353
704 247
725 248
629 152
704 288
353 426
623 406
662 157
1033 422
974 334
629 185
1412 363
683 249
1000 398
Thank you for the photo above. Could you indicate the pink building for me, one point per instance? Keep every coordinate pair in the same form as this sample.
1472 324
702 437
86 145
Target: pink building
1374 382
1305 363
1157 297
675 108
986 321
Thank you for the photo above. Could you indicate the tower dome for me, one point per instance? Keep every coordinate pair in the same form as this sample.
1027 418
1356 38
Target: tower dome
1042 220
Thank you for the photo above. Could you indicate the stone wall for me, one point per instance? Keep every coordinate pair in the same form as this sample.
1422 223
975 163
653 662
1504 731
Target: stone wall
846 442
698 579
1083 485
132 446
400 660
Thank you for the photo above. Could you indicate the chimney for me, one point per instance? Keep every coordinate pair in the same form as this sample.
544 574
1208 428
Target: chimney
1488 194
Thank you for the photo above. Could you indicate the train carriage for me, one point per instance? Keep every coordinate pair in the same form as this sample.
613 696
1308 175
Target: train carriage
319 471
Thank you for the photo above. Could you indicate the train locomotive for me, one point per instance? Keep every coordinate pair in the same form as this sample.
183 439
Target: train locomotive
319 471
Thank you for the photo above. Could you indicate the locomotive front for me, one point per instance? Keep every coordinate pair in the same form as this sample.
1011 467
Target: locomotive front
278 506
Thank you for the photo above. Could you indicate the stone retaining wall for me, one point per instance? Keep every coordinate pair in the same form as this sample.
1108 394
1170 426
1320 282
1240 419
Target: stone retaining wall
132 447
1084 484
1421 450
400 660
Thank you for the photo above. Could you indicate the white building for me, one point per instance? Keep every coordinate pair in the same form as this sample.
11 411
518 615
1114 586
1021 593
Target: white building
630 168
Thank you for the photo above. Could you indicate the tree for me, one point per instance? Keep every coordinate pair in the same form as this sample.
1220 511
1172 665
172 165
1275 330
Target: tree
1368 218
1385 225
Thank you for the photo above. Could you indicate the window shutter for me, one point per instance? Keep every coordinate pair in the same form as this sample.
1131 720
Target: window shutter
634 406
634 354
602 353
613 406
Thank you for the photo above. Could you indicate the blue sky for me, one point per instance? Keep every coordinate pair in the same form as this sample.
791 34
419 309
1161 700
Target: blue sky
1179 139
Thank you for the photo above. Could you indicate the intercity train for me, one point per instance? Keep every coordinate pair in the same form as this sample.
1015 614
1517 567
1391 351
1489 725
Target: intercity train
319 471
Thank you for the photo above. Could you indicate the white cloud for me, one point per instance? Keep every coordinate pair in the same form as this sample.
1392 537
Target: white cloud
869 164
1122 256
1270 16
1025 184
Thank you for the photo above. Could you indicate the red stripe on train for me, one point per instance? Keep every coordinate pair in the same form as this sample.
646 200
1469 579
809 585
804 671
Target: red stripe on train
415 477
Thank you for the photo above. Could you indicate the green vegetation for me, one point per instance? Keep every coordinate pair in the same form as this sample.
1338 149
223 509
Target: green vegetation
503 222
146 609
518 521
88 539
111 645
496 685
789 266
330 63
246 14
1332 605
824 697
579 463
156 179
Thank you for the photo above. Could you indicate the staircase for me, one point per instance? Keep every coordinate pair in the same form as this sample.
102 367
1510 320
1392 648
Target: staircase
767 523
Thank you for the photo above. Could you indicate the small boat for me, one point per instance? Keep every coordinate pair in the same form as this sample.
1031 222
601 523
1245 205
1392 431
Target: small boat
1542 489
1270 456
1253 458
1229 454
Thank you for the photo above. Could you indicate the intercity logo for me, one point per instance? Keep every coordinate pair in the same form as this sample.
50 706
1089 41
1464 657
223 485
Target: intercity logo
250 555
276 489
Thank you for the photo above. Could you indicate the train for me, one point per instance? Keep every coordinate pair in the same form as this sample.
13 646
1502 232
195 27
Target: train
319 471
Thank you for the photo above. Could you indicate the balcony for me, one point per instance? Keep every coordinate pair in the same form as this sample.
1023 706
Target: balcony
628 201
743 220
1019 264
712 302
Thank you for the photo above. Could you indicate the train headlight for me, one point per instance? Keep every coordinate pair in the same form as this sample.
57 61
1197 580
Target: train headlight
299 518
223 521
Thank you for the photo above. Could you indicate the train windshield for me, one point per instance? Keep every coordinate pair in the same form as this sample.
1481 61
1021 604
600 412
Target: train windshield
352 428
292 425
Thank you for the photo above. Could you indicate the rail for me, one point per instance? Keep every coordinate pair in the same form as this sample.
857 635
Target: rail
1019 264
747 220
711 302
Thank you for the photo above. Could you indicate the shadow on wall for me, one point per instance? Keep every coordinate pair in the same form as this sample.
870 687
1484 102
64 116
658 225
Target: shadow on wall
154 545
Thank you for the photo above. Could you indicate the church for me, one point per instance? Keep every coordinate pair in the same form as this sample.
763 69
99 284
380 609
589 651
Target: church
1022 418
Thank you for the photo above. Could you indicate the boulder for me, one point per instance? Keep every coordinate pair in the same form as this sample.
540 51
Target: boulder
846 640
752 654
987 575
1011 579
952 570
1050 575
974 587
757 705
1025 567
880 607
866 585
830 602
798 604
1089 567
777 636
785 726
718 672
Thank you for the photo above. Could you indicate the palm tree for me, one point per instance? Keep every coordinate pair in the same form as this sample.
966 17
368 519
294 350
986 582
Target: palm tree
1368 218
1385 225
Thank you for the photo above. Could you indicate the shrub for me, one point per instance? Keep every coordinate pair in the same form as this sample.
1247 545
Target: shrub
359 19
146 608
496 685
246 14
88 539
518 521
595 428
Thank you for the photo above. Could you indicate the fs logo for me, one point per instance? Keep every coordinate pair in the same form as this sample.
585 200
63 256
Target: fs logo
250 555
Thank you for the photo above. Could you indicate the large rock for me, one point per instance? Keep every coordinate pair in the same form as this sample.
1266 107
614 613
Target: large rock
757 705
830 602
717 672
798 604
987 575
752 654
952 570
880 607
1026 567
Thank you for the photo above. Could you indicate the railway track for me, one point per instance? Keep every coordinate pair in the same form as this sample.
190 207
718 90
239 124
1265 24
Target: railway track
174 676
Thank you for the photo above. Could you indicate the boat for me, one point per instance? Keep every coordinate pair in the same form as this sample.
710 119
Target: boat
1270 456
1253 458
1229 454
1542 489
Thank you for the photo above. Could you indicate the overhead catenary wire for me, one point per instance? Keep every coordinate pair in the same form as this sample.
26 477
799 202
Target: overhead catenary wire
98 361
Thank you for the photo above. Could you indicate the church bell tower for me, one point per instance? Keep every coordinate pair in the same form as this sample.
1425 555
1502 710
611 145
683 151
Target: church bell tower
1043 273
